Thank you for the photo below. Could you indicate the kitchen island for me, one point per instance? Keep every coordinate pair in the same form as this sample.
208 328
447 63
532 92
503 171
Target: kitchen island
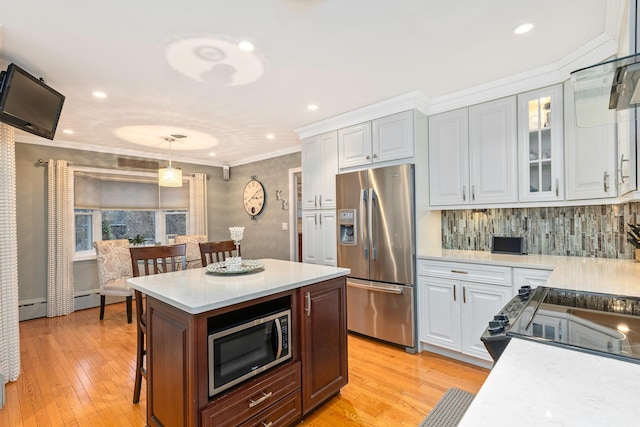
181 308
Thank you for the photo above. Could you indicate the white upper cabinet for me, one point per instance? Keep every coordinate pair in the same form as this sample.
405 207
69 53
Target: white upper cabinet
354 145
590 152
393 137
493 157
540 142
319 169
449 157
381 140
473 155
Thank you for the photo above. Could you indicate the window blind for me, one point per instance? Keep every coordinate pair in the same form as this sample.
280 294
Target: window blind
127 192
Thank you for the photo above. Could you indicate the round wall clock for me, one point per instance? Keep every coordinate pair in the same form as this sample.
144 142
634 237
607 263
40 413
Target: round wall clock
253 197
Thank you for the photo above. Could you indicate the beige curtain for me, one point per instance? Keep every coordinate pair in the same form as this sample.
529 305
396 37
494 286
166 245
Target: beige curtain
198 204
60 249
9 331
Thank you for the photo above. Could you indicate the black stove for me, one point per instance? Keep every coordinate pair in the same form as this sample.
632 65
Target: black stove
603 324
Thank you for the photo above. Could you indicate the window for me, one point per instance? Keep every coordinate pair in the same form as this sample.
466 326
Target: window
125 205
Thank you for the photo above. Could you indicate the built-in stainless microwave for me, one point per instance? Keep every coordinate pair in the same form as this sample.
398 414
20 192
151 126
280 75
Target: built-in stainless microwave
240 351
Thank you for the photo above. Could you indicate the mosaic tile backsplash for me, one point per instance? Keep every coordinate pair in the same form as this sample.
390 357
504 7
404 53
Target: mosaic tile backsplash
591 231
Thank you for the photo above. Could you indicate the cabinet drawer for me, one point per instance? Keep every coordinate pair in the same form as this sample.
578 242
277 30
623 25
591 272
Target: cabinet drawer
241 404
283 413
482 273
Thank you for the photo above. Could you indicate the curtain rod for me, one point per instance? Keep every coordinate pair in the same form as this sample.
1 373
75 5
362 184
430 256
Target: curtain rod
42 162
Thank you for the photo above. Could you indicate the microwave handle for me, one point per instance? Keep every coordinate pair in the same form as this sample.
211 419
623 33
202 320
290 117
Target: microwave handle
279 337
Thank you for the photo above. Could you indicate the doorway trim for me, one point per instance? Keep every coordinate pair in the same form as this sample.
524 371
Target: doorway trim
293 214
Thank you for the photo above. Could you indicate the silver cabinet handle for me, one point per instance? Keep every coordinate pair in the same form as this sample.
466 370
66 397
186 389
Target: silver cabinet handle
473 192
459 271
307 305
605 182
622 175
375 156
368 157
464 193
454 293
320 215
557 187
315 219
315 201
320 200
264 397
464 294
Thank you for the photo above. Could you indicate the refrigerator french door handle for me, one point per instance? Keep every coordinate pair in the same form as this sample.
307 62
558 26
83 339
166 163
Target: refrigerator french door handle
373 238
364 238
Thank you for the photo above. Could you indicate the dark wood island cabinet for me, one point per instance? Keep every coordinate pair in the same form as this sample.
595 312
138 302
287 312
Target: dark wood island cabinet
177 349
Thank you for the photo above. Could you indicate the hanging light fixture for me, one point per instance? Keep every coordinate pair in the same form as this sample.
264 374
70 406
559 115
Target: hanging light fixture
170 176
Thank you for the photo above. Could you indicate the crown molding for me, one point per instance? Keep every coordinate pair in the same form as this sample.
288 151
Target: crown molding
267 156
414 100
596 50
61 143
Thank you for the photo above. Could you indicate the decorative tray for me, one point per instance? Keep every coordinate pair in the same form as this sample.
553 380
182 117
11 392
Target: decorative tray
246 266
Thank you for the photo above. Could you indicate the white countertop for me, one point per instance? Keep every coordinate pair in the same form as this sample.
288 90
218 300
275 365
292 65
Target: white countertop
617 276
535 384
195 292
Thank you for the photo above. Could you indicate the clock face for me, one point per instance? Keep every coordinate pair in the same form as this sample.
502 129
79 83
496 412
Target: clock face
253 198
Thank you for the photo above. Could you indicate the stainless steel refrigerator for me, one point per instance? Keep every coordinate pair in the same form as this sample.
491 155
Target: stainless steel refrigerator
376 240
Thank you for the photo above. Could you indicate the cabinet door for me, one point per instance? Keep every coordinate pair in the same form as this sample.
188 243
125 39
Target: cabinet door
493 162
310 237
439 312
529 277
327 168
354 145
590 156
327 238
323 341
480 303
310 171
449 158
540 141
393 137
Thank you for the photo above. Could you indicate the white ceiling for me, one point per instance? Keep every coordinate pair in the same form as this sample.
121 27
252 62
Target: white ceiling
168 66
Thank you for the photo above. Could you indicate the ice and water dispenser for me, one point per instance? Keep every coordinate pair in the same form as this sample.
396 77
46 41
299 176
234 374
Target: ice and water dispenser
347 227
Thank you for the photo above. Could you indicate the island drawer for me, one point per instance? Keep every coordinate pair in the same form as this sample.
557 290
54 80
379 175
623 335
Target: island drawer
245 402
282 413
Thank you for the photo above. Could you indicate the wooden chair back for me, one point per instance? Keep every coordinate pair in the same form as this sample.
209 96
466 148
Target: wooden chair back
145 261
217 251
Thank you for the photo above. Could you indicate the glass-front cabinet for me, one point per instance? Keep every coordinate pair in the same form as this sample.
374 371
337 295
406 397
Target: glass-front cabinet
540 141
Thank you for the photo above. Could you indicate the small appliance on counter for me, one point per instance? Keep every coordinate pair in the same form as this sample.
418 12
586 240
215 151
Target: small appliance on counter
508 245
601 324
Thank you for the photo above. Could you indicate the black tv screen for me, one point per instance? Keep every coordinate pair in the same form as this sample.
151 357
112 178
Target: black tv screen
27 103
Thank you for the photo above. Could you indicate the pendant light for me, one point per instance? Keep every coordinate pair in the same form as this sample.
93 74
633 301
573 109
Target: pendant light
170 176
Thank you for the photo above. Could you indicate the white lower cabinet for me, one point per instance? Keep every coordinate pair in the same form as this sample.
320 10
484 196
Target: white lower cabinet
319 237
456 302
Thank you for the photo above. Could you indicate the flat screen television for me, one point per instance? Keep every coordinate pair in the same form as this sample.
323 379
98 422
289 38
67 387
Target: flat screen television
27 103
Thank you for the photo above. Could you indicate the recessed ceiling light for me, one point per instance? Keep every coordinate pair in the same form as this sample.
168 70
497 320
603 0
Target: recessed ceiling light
99 94
212 154
270 136
524 28
312 107
246 46
68 131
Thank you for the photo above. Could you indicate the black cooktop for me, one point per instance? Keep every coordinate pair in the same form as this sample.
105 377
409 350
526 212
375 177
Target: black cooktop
597 323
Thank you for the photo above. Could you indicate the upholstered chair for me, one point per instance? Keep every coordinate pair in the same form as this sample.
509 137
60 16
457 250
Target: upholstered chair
114 268
193 250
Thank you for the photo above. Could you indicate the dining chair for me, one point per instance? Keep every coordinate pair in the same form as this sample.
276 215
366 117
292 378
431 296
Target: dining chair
114 268
146 261
193 252
221 250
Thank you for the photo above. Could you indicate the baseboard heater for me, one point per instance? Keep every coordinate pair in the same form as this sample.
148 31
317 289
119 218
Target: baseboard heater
1 391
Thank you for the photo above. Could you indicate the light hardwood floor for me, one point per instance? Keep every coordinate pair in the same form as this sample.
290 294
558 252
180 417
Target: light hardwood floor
79 371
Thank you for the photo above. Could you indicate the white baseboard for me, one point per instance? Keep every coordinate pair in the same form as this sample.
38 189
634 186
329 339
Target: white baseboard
455 355
36 308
